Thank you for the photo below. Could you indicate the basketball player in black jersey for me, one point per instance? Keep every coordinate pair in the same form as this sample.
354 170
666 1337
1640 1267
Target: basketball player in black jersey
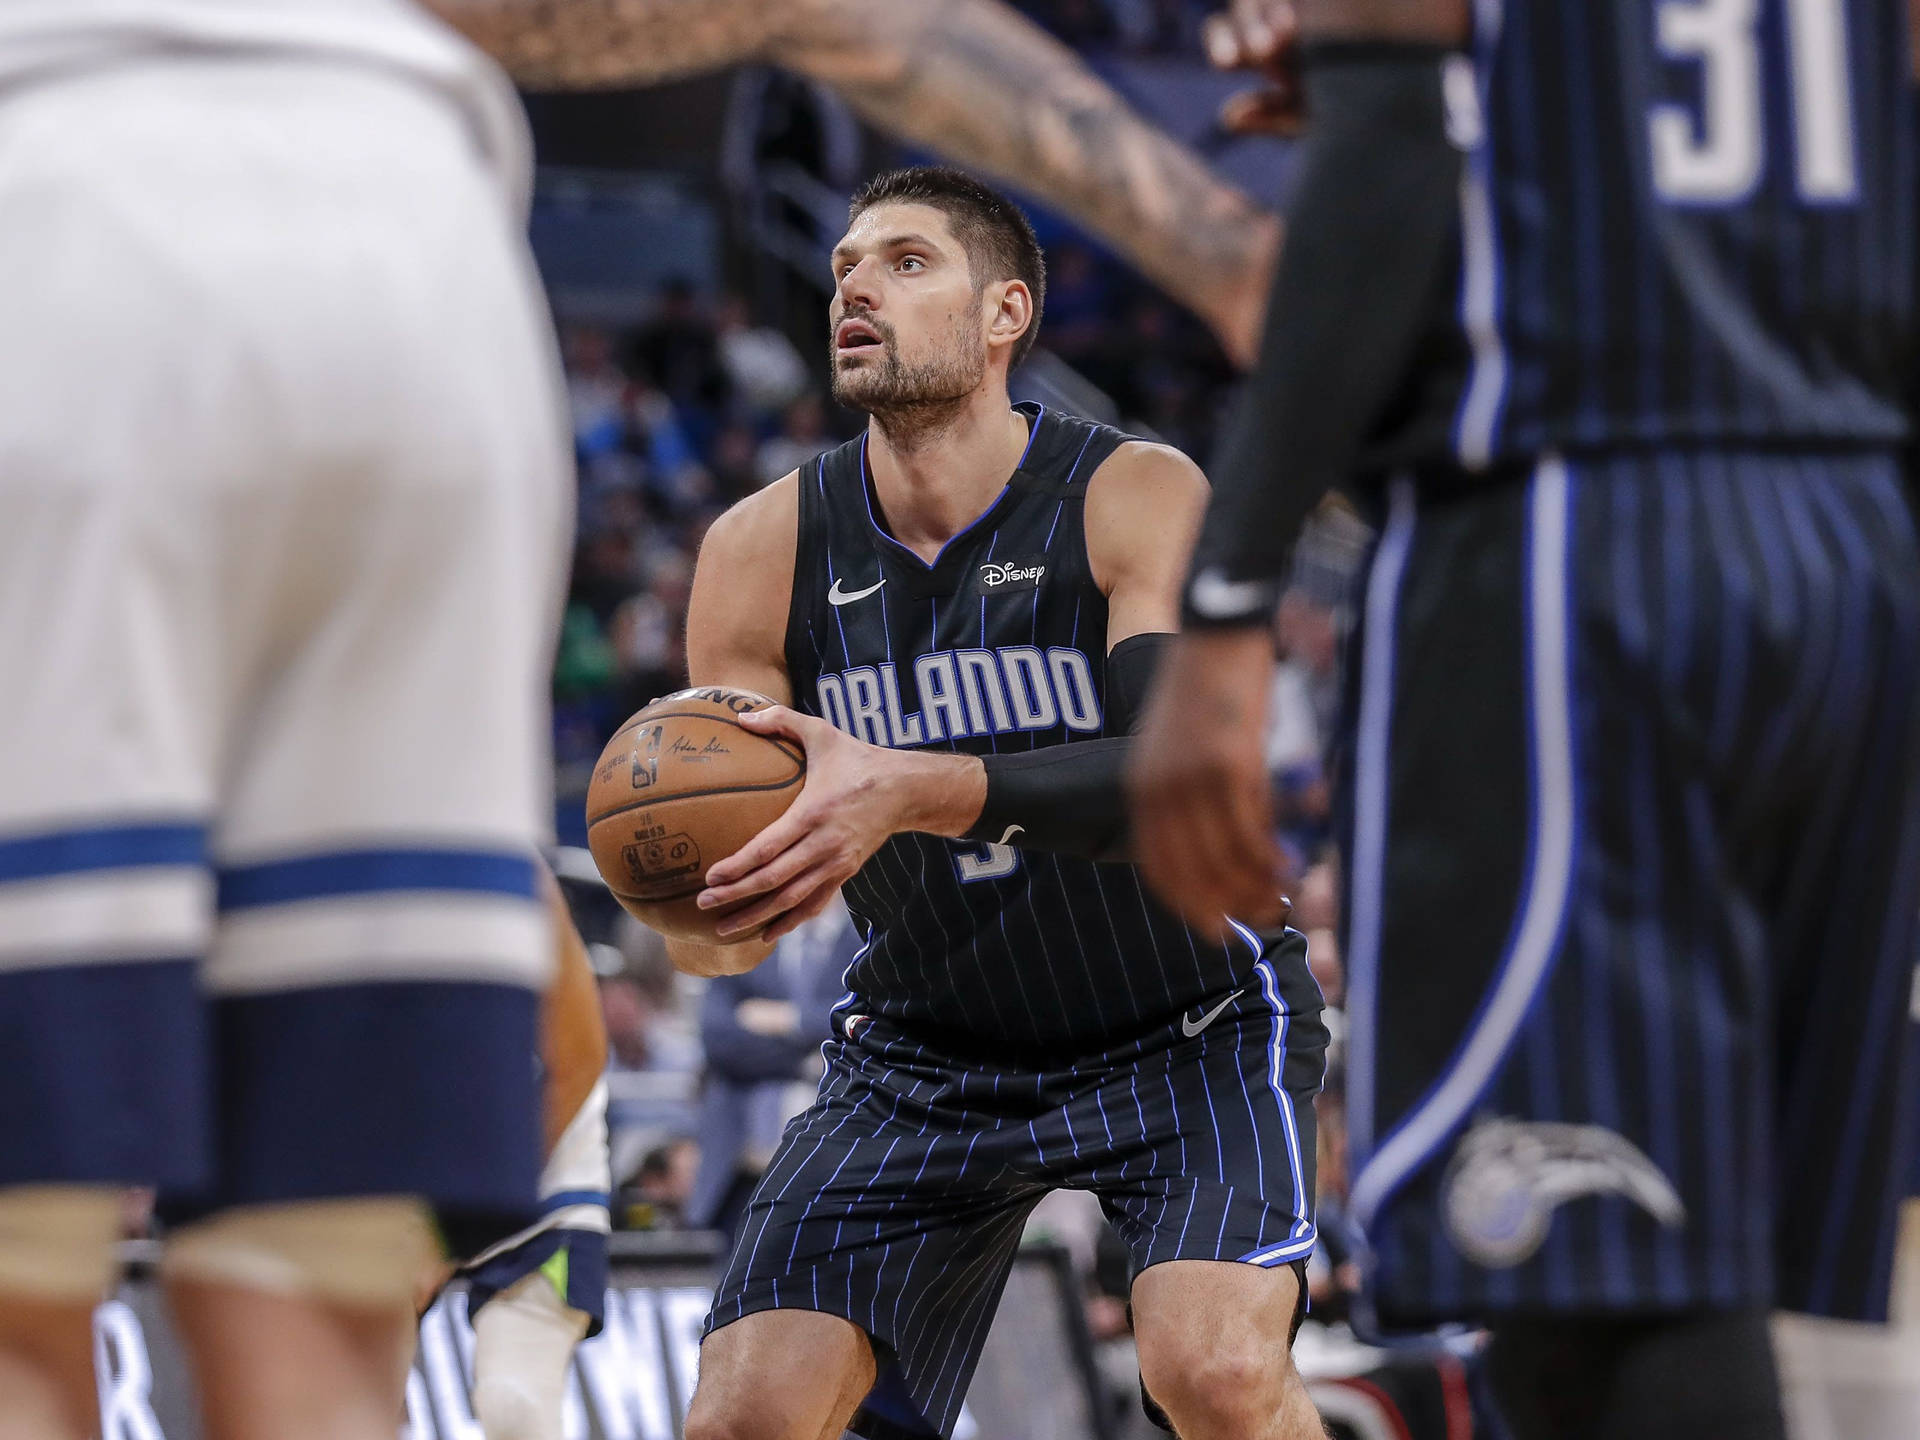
960 608
1605 308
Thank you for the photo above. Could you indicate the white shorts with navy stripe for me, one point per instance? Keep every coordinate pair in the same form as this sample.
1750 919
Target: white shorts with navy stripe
897 1201
283 490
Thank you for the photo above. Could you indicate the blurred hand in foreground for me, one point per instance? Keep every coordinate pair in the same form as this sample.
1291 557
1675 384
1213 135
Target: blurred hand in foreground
1197 783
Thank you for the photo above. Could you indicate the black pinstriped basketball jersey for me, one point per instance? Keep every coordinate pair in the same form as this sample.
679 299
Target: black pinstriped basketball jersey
998 645
1681 222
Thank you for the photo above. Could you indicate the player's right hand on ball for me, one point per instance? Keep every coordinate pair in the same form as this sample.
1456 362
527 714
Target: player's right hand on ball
855 796
1197 783
793 867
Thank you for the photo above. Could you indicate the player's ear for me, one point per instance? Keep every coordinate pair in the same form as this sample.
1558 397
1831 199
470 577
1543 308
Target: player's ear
1011 312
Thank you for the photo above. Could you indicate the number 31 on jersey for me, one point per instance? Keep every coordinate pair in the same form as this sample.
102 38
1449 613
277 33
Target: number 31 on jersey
1715 153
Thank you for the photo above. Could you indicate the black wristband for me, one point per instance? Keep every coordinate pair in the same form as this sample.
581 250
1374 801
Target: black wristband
1070 798
1211 601
1065 798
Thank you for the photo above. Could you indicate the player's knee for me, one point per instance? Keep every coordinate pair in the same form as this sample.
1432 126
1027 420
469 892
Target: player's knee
363 1252
56 1242
1219 1385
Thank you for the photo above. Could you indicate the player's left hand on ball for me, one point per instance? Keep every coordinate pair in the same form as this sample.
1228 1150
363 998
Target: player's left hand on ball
1197 783
793 867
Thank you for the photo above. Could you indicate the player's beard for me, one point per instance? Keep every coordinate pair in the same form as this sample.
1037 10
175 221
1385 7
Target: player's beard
912 402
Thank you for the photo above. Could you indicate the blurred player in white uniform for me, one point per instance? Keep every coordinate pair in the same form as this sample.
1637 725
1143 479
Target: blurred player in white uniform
535 1295
283 490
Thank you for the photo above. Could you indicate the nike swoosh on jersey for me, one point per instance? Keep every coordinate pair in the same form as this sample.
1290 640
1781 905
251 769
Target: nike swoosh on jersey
837 596
1190 1027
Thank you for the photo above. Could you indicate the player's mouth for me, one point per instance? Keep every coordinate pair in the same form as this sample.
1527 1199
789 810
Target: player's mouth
852 336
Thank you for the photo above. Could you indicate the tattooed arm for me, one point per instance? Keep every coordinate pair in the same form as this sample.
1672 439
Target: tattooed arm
971 79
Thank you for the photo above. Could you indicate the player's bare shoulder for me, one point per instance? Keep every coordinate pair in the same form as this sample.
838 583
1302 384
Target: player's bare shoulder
742 590
762 529
1143 510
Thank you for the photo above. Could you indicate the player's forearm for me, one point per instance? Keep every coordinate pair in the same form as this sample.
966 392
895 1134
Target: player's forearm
971 79
1371 223
932 794
589 44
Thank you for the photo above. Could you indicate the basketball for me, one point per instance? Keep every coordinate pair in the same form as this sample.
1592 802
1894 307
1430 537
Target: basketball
680 786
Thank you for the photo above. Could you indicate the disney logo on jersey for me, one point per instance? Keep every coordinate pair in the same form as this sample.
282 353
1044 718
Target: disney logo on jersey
997 578
1508 1177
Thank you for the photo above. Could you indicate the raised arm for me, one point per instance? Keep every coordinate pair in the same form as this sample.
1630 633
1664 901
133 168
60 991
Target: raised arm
1371 223
971 79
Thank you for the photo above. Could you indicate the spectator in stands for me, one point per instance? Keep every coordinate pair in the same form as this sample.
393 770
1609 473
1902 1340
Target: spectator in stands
658 1195
637 1038
764 366
732 463
648 631
596 389
678 351
803 435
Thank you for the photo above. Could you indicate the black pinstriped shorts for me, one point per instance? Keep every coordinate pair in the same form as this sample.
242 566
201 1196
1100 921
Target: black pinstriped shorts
1634 862
898 1200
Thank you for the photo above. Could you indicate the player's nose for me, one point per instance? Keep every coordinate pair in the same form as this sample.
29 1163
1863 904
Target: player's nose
859 287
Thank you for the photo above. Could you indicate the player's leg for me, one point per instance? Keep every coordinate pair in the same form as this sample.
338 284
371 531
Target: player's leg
534 1301
298 1316
535 1298
1543 952
876 1244
1836 894
1204 1162
523 1342
781 1375
392 542
55 1266
1565 669
107 732
1841 909
1216 1350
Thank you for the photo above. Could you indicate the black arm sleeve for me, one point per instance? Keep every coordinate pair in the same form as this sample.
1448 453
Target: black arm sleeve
1069 798
1367 234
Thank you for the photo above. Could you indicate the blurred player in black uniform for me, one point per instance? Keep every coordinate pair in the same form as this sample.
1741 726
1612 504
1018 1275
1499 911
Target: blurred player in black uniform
961 607
1606 308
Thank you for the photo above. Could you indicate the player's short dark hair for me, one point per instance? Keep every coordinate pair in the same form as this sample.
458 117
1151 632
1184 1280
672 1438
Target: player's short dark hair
999 242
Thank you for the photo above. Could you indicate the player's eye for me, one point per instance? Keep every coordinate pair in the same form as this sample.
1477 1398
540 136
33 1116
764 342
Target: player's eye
912 262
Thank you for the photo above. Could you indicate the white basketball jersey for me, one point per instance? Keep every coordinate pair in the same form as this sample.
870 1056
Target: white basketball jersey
46 38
